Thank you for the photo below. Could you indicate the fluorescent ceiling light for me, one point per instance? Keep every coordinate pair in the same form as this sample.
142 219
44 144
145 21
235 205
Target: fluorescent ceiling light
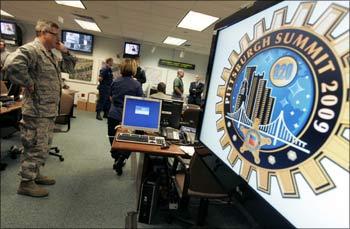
4 13
197 21
75 3
174 41
88 25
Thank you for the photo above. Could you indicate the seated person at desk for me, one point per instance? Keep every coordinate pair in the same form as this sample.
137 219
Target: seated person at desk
125 85
161 88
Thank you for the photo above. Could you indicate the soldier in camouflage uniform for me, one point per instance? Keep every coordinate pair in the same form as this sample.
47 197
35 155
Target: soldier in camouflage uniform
38 70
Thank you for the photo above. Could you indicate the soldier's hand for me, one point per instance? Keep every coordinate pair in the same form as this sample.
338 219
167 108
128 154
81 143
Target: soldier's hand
60 47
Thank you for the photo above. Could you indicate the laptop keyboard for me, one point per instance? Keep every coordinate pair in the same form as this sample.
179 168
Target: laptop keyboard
138 138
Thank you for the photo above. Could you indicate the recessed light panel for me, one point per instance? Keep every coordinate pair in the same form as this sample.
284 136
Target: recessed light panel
72 3
174 41
4 13
197 21
88 25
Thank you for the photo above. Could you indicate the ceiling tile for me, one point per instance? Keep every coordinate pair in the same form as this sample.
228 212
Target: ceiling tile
150 21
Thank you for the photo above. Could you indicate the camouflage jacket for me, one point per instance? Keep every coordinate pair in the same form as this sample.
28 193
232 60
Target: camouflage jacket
32 65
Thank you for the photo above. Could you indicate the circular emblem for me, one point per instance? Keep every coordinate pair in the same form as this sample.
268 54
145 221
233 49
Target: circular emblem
283 71
284 104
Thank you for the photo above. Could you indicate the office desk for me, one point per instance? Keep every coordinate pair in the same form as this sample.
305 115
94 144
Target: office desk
145 149
17 105
172 151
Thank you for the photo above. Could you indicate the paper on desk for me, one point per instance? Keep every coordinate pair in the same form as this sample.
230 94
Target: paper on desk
188 150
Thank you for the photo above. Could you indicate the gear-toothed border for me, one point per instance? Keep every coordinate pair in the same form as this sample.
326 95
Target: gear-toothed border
336 146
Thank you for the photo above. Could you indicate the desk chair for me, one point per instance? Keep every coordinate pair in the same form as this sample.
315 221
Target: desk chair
190 116
63 118
65 111
197 181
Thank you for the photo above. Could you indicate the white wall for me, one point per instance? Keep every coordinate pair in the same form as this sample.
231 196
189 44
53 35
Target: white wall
107 47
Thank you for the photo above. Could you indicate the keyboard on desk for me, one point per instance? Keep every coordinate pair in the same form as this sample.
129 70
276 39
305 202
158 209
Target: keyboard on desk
137 138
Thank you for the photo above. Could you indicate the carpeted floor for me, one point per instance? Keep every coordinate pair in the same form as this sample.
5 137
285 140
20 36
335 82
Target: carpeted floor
88 193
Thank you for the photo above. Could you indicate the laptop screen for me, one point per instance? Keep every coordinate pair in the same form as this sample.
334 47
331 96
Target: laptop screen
141 113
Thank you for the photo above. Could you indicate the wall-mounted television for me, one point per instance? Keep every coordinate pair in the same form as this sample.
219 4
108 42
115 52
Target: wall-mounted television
277 107
10 32
131 50
77 41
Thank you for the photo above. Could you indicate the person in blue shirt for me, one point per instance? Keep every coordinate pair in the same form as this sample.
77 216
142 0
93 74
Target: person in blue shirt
104 88
122 86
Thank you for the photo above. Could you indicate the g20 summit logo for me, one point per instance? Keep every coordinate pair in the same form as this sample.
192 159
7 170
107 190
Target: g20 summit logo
285 103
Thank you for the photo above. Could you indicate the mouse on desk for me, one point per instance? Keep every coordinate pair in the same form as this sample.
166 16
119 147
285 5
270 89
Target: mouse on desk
165 145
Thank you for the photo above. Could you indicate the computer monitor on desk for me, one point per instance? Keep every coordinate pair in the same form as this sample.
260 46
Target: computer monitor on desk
171 113
141 113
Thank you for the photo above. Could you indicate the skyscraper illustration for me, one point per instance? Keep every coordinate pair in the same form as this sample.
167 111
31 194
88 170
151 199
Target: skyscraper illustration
256 96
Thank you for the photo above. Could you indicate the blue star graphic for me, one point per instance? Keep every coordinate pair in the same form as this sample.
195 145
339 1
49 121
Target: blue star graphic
295 89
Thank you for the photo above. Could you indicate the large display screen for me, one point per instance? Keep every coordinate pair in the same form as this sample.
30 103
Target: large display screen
76 41
8 28
277 108
131 50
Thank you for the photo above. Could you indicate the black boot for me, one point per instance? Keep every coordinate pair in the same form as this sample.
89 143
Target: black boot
98 116
105 115
118 166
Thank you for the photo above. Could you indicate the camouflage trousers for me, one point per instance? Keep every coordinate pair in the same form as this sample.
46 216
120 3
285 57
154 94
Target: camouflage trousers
36 136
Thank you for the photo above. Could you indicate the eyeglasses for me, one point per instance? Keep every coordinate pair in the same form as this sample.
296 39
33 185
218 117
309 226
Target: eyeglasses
55 34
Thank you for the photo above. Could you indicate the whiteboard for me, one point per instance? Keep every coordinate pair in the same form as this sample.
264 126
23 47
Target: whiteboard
153 75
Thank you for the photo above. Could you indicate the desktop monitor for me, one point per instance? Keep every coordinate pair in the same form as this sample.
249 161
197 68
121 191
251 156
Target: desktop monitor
141 113
277 106
78 41
171 113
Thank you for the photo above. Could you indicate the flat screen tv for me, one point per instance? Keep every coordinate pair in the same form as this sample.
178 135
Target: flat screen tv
8 28
10 32
131 50
77 41
277 106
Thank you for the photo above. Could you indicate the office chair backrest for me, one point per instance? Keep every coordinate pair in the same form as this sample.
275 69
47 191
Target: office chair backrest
64 114
66 104
191 116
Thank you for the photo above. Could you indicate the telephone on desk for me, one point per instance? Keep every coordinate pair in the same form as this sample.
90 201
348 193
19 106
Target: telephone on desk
188 134
170 133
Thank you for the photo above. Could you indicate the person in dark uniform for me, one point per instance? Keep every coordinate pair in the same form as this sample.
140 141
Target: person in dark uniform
140 73
196 90
122 86
104 89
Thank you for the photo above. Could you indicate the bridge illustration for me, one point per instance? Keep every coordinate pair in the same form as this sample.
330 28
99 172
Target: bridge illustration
276 130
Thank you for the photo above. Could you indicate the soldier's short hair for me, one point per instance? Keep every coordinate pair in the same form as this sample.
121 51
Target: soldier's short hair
128 67
43 25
